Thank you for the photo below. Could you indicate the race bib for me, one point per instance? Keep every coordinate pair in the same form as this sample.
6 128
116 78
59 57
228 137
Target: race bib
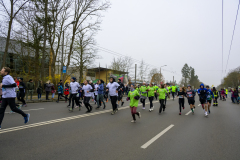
4 91
59 92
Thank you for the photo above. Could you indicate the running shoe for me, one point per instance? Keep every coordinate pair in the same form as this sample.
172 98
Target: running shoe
133 121
70 109
68 106
25 105
143 108
76 106
122 103
97 107
139 115
209 111
112 113
192 113
180 113
183 107
26 119
79 108
104 107
152 108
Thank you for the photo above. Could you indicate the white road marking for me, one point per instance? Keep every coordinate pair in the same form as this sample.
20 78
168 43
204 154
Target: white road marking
58 120
156 137
30 110
188 113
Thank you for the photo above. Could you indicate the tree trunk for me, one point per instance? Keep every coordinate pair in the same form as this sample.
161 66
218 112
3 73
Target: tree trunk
7 43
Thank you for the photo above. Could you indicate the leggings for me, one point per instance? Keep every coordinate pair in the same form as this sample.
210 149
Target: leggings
21 97
114 102
143 101
75 98
151 99
97 100
11 103
162 106
181 103
156 95
66 97
86 103
70 99
173 95
59 95
133 112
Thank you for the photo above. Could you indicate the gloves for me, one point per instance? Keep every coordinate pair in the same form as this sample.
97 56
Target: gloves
128 99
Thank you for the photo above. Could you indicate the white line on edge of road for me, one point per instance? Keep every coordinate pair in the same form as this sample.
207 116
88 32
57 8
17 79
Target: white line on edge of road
30 110
156 137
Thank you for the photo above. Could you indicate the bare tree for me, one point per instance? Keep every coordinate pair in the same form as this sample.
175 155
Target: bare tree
84 53
155 77
142 70
11 13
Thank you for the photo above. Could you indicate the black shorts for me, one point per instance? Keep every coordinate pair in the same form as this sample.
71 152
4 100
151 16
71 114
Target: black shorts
119 97
209 101
191 101
203 101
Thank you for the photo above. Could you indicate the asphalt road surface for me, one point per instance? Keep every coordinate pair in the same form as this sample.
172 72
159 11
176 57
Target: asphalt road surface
55 134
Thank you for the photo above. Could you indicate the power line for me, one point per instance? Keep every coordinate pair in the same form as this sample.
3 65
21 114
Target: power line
121 55
232 36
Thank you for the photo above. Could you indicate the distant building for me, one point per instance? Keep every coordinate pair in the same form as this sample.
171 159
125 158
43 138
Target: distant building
18 56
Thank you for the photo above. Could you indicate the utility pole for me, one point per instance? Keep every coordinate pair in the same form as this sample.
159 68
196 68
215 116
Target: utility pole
99 71
135 73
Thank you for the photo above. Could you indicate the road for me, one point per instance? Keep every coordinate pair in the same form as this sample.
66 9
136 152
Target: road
54 133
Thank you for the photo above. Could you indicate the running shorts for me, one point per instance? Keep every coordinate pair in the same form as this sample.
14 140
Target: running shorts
191 101
203 101
119 97
209 101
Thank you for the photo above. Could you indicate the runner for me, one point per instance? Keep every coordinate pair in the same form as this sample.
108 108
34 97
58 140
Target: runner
161 93
203 93
173 90
167 94
143 91
215 93
92 93
150 90
113 88
8 95
87 88
96 94
66 93
223 94
133 96
60 92
181 95
156 88
74 91
226 92
21 94
209 98
120 93
100 94
190 95
169 90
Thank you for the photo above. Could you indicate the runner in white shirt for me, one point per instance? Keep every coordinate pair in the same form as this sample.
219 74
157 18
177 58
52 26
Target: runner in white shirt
87 88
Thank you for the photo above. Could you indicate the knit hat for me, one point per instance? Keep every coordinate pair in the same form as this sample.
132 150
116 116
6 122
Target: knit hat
74 78
21 79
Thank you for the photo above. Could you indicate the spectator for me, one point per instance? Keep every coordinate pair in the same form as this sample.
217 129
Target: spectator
53 91
21 95
30 88
60 91
48 89
39 90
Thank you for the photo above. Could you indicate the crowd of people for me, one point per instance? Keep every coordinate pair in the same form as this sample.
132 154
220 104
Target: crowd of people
78 95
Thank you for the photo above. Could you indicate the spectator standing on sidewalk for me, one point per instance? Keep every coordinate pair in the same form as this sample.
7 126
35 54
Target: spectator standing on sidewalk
30 89
53 91
39 90
48 89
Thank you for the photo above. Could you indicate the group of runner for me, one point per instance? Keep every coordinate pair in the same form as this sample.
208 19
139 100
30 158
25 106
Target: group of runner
114 91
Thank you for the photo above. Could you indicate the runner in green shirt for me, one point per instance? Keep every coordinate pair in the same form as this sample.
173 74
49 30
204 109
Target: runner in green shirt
143 91
162 94
133 96
173 90
151 90
156 88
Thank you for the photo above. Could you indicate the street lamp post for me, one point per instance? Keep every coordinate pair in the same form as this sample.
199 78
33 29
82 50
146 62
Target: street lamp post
161 73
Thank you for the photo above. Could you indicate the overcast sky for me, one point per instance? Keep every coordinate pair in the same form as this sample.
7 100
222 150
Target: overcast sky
172 33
